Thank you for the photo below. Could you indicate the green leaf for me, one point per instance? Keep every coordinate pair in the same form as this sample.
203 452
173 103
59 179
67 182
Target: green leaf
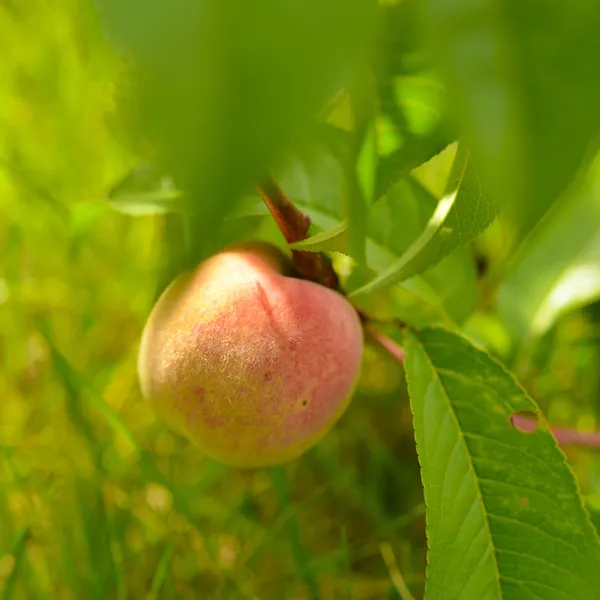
522 79
394 222
504 515
366 164
161 572
417 301
145 191
19 555
558 268
361 164
334 239
461 215
397 165
224 92
410 125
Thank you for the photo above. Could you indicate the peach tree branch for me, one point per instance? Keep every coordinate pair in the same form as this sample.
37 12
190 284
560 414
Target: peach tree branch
294 225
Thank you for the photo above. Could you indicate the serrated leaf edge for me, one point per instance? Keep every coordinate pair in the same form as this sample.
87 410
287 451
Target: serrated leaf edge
470 461
542 423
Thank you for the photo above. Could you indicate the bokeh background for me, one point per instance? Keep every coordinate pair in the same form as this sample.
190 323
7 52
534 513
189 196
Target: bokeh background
97 498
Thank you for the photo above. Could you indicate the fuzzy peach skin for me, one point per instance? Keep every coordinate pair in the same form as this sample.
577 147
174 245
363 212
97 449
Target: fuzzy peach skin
254 367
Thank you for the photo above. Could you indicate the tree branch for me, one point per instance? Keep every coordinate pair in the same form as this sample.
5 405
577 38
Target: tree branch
292 222
294 225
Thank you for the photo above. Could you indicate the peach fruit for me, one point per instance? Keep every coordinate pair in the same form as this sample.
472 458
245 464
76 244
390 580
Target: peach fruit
253 366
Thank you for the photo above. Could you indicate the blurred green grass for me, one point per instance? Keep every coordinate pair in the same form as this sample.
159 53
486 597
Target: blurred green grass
97 498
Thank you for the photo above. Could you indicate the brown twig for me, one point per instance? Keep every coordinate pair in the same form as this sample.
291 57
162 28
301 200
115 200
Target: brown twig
292 222
294 225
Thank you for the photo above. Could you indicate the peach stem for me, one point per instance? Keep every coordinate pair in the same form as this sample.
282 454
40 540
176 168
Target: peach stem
294 225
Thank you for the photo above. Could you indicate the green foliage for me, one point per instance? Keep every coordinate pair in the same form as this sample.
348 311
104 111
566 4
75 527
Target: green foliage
331 240
395 222
131 136
461 215
563 258
221 111
504 518
144 192
519 75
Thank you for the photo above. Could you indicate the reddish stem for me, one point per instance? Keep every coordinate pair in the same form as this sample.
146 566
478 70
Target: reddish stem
388 344
564 436
294 225
292 222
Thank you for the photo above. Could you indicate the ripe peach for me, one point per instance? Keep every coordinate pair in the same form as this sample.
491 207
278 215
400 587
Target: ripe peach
251 365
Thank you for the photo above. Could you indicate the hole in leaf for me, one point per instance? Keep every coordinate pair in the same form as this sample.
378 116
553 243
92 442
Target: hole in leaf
524 420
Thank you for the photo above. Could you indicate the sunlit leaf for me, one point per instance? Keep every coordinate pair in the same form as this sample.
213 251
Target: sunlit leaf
334 239
145 191
461 215
412 122
504 515
394 222
397 165
559 267
411 128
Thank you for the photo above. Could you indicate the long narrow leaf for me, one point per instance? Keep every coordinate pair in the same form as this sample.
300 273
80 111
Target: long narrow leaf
461 215
504 517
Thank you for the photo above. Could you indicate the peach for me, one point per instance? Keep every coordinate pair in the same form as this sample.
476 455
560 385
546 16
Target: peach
253 366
